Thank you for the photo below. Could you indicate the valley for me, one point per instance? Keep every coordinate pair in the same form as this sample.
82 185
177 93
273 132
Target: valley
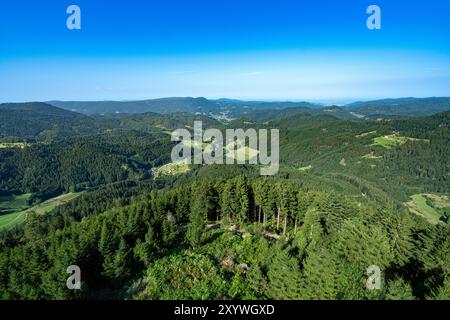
101 190
213 158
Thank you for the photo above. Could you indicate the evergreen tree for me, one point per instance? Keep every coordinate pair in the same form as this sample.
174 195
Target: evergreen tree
284 276
242 198
398 289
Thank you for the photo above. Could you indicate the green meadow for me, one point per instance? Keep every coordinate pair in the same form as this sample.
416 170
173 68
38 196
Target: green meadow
14 209
392 140
429 206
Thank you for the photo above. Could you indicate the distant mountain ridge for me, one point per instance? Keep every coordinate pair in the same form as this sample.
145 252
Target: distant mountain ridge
37 121
163 105
240 108
49 120
402 106
230 107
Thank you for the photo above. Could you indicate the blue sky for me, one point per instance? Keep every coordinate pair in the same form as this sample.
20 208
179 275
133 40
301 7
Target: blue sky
274 50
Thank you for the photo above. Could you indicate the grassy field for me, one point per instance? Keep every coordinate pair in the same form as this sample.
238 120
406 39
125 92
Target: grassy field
243 152
429 206
392 140
9 220
13 203
171 169
21 145
365 134
372 156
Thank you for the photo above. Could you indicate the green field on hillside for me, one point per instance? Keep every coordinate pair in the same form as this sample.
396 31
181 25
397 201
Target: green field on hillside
429 206
20 211
14 203
392 140
5 145
305 168
171 169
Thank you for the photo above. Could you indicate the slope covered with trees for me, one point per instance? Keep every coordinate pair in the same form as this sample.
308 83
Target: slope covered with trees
40 121
403 106
271 239
335 208
79 163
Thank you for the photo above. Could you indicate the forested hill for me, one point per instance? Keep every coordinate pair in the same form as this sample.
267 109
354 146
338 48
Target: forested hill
265 115
371 156
164 105
178 104
405 106
36 121
78 163
349 194
151 121
262 110
391 159
40 121
237 238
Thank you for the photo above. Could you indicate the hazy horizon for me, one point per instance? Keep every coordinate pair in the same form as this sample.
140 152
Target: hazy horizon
325 102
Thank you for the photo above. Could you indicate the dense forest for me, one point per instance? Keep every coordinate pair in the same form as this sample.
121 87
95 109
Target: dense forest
77 163
340 204
238 238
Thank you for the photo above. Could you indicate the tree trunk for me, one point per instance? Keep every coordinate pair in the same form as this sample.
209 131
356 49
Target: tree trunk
259 215
278 218
264 220
285 224
295 227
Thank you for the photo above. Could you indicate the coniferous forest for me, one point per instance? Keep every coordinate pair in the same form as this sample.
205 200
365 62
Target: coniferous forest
100 192
224 159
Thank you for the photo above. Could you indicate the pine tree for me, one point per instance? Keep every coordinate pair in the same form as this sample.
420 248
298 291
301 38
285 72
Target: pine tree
304 201
107 248
288 202
320 277
228 203
242 197
122 261
147 250
398 289
311 232
202 202
398 225
258 198
196 228
443 292
284 276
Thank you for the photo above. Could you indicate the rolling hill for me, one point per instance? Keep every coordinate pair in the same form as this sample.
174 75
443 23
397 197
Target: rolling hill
227 109
36 120
164 105
403 106
348 191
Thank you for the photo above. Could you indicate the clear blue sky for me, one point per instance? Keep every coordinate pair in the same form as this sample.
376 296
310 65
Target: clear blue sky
250 49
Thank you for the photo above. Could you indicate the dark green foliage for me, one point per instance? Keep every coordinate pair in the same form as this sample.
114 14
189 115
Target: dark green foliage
79 163
40 121
325 258
185 277
220 232
398 289
203 201
403 106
